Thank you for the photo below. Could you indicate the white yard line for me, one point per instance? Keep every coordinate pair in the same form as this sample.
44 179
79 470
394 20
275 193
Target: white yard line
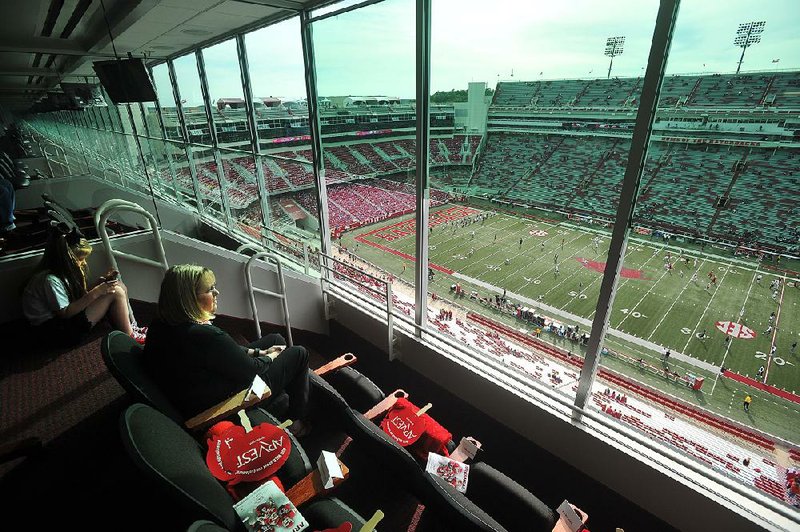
630 311
548 254
556 312
706 309
673 303
741 315
775 330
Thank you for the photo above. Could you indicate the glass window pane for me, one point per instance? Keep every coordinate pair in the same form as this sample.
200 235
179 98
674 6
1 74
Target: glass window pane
177 156
208 181
192 99
365 63
520 145
227 98
166 101
277 78
704 310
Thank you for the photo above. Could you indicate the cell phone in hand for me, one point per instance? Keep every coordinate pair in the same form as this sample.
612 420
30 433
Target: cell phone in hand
111 277
276 349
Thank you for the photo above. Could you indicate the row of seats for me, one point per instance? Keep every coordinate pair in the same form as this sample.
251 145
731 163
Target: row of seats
357 204
679 189
694 440
704 91
155 438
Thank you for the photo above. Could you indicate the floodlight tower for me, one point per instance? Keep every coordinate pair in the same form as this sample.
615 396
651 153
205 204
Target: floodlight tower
613 49
747 34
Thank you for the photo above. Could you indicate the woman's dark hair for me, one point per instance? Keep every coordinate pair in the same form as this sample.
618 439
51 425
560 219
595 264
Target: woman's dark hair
62 253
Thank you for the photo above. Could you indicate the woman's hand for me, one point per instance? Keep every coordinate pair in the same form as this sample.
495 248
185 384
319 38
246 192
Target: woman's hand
274 351
102 289
110 275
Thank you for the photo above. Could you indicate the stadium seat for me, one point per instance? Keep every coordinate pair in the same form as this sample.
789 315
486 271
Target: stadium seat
122 356
176 465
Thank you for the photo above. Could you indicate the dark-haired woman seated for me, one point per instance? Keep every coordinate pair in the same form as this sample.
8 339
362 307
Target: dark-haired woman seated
63 305
198 365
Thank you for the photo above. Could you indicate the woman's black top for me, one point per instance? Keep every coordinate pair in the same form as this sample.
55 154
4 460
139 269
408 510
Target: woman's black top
197 366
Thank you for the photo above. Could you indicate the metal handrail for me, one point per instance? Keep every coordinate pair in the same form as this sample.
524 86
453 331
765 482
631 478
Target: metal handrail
387 293
50 158
251 290
111 169
101 217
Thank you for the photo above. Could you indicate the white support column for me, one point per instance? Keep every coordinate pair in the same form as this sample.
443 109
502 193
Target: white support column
423 140
659 50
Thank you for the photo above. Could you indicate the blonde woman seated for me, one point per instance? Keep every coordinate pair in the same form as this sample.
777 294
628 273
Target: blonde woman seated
198 365
60 302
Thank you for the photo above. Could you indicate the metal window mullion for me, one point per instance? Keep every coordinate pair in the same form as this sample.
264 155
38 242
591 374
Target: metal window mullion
162 127
223 189
423 81
637 156
184 130
309 63
114 138
255 143
156 178
344 10
80 141
144 163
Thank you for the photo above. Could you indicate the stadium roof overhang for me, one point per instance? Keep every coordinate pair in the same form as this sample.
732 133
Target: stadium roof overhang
45 42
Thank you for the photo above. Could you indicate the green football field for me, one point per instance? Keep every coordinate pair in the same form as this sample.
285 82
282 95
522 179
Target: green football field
557 269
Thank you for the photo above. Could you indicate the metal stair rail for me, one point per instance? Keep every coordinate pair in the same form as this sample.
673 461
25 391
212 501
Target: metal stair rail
251 290
111 170
101 217
51 157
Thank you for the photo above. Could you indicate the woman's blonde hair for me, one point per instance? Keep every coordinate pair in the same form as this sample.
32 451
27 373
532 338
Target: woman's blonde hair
177 302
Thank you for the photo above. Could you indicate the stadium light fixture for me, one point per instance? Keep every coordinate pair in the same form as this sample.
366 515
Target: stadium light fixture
614 47
749 33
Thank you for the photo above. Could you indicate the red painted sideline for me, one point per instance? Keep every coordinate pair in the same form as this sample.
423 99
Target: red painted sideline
776 269
648 393
412 258
761 386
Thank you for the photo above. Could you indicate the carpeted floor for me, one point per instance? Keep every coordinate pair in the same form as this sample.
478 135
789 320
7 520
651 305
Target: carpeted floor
83 478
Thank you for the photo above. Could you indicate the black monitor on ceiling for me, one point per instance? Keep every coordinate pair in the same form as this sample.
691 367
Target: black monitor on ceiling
125 80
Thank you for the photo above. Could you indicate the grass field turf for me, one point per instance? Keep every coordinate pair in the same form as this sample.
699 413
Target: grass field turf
661 308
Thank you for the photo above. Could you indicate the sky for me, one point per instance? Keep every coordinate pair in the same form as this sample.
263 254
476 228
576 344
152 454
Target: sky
371 51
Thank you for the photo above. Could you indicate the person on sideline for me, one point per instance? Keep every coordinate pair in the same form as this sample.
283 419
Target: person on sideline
198 365
747 401
60 302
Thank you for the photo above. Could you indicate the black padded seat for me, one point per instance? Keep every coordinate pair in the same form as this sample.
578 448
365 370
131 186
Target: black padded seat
177 464
357 389
493 502
402 467
330 512
123 358
205 526
327 406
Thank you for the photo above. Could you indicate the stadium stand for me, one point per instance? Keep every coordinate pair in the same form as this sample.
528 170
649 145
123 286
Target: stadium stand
702 91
